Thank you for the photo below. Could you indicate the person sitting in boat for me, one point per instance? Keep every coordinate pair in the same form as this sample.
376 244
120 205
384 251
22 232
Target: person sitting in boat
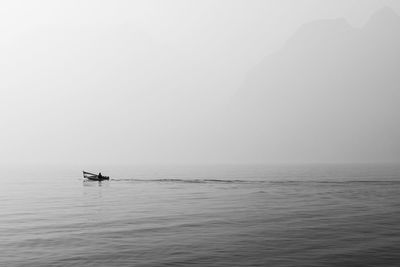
100 176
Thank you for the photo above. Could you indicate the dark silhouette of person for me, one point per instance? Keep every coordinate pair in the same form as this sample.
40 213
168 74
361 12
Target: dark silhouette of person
100 176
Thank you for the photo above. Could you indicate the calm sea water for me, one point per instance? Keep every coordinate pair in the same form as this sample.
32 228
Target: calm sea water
305 215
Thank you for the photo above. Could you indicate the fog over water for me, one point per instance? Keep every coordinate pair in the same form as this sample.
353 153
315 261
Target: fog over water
199 81
227 133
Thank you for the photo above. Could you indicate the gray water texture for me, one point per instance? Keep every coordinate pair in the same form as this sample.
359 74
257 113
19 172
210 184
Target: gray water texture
298 215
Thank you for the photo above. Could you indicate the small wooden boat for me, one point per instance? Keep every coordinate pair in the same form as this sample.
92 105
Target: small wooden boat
95 177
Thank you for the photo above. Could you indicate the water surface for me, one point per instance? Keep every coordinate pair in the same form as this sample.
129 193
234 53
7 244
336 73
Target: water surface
304 215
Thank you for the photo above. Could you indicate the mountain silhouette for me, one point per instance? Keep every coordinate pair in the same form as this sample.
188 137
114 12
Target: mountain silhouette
332 90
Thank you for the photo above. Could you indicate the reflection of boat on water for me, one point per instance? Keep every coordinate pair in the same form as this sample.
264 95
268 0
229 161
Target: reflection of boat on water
95 177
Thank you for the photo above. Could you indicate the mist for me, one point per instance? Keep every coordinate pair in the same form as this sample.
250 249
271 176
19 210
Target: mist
177 82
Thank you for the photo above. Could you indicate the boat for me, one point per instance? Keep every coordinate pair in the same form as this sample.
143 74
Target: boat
95 177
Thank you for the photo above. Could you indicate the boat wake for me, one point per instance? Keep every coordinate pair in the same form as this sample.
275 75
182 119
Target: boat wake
283 182
196 181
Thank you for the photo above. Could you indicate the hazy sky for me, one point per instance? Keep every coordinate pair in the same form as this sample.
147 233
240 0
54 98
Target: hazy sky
209 30
137 81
